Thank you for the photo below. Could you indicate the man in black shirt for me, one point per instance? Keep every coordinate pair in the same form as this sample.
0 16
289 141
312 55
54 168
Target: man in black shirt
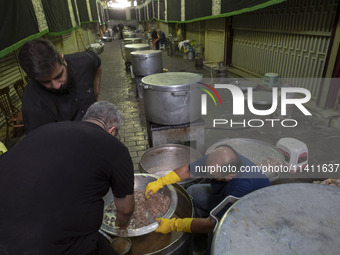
154 36
52 183
61 87
161 38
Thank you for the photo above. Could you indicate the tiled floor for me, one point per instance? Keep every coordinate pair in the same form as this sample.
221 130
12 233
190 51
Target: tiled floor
119 88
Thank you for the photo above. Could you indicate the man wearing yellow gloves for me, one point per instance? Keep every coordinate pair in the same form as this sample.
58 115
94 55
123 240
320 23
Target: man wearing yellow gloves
226 169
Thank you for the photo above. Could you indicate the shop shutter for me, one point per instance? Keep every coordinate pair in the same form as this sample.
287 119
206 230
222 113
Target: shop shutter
84 34
92 31
214 40
58 42
69 43
291 38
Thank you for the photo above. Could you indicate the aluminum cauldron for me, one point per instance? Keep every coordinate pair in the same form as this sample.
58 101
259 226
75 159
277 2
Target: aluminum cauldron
162 159
129 35
172 98
173 243
141 180
132 40
294 218
134 47
146 62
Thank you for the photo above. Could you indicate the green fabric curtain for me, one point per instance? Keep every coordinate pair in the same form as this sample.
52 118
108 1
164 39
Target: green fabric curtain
57 15
196 9
18 24
94 11
83 12
174 10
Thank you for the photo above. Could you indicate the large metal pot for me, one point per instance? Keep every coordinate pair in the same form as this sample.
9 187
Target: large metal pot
132 40
129 35
162 159
294 218
174 243
146 62
172 98
134 47
141 180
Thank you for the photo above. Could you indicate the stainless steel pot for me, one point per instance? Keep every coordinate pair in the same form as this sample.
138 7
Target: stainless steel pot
129 35
174 243
294 218
162 159
132 40
172 98
141 180
146 62
134 47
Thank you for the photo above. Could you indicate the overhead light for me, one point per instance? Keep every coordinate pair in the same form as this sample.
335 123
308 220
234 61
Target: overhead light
120 4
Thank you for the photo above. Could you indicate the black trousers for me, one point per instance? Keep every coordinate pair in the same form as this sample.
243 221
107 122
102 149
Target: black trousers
104 247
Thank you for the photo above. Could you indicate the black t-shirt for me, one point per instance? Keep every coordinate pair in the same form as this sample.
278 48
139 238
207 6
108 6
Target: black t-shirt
154 34
41 106
51 188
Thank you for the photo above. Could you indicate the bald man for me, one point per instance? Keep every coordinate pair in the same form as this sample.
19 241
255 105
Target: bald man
230 175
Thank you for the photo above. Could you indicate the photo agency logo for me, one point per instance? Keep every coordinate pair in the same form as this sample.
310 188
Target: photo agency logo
204 97
281 100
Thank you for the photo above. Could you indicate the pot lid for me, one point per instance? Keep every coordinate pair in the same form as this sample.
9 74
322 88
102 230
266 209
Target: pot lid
132 39
137 45
294 218
146 53
171 80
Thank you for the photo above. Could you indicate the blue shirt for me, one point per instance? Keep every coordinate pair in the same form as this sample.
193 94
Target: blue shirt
162 39
242 184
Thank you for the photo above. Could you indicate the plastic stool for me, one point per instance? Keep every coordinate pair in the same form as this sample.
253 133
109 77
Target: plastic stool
162 46
294 151
271 80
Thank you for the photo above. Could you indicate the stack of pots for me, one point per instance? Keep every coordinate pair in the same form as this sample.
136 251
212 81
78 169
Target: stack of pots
144 63
172 98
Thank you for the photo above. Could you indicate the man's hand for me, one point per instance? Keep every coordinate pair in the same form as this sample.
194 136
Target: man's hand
118 223
165 225
155 186
178 225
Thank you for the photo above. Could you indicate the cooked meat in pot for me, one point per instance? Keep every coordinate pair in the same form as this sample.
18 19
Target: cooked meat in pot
146 210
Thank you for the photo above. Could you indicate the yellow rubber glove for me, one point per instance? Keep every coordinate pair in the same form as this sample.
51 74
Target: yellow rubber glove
3 148
155 186
178 225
